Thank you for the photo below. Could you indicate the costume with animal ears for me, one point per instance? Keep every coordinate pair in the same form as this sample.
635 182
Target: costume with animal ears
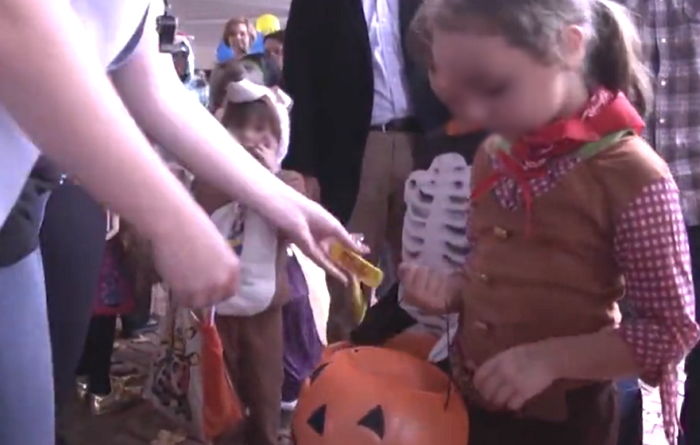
192 82
250 322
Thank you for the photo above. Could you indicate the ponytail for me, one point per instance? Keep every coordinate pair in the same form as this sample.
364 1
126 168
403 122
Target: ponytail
615 55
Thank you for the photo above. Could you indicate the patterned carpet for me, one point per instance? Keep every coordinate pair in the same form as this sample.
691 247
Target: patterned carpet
136 425
139 424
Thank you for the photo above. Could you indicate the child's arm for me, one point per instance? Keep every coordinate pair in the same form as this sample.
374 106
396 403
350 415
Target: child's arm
56 89
174 118
651 246
432 291
510 379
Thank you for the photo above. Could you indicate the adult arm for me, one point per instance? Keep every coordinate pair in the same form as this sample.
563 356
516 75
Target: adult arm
174 119
90 134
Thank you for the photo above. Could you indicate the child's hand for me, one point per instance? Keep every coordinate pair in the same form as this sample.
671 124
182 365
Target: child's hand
266 153
432 291
510 379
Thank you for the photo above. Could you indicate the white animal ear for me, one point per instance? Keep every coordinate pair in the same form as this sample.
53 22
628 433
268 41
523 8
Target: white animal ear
281 97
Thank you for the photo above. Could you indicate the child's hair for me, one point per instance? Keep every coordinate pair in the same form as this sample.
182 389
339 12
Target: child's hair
613 44
238 115
277 35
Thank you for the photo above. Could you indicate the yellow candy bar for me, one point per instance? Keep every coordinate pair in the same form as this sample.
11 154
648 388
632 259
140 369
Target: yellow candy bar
364 271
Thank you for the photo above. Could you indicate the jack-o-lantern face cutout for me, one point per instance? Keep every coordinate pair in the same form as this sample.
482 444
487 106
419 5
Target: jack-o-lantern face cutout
377 396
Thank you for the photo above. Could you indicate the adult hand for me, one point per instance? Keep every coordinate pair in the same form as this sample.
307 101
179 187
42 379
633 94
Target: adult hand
510 379
430 290
195 261
312 229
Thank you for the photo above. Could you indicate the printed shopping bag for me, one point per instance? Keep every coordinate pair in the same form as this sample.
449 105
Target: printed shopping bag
188 380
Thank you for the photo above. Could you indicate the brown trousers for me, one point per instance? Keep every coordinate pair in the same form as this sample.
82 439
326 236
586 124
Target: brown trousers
253 349
378 213
593 420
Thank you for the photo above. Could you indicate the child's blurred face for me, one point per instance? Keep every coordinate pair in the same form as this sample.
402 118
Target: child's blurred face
257 136
483 79
275 49
239 38
256 131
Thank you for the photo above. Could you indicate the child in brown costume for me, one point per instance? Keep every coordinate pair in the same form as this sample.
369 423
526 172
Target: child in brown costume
571 209
250 322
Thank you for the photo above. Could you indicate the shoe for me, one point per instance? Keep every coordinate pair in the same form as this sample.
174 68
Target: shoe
140 338
289 406
115 401
130 384
149 327
81 386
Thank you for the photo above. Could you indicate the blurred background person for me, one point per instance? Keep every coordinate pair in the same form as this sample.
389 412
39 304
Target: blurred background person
361 105
237 40
184 61
274 47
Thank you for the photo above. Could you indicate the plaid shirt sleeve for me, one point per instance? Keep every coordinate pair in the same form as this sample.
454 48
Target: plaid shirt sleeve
652 249
670 33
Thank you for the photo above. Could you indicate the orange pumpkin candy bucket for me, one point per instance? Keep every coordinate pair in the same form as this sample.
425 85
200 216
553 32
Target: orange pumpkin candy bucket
378 396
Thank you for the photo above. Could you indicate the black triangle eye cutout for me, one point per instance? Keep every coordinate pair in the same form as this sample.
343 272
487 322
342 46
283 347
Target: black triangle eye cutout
317 372
374 421
317 420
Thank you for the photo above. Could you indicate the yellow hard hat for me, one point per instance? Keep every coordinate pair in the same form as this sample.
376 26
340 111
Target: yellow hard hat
267 24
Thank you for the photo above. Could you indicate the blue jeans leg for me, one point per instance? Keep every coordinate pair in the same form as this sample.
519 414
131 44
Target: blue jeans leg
630 405
26 383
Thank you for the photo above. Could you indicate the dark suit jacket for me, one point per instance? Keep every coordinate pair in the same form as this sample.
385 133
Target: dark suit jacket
328 73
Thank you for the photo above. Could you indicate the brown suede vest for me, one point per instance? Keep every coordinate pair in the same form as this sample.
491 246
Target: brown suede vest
562 278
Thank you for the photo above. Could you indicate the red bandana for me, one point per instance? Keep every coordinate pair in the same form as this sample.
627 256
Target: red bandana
605 113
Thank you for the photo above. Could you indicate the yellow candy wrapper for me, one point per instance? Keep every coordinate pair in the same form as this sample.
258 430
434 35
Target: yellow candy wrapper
357 266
